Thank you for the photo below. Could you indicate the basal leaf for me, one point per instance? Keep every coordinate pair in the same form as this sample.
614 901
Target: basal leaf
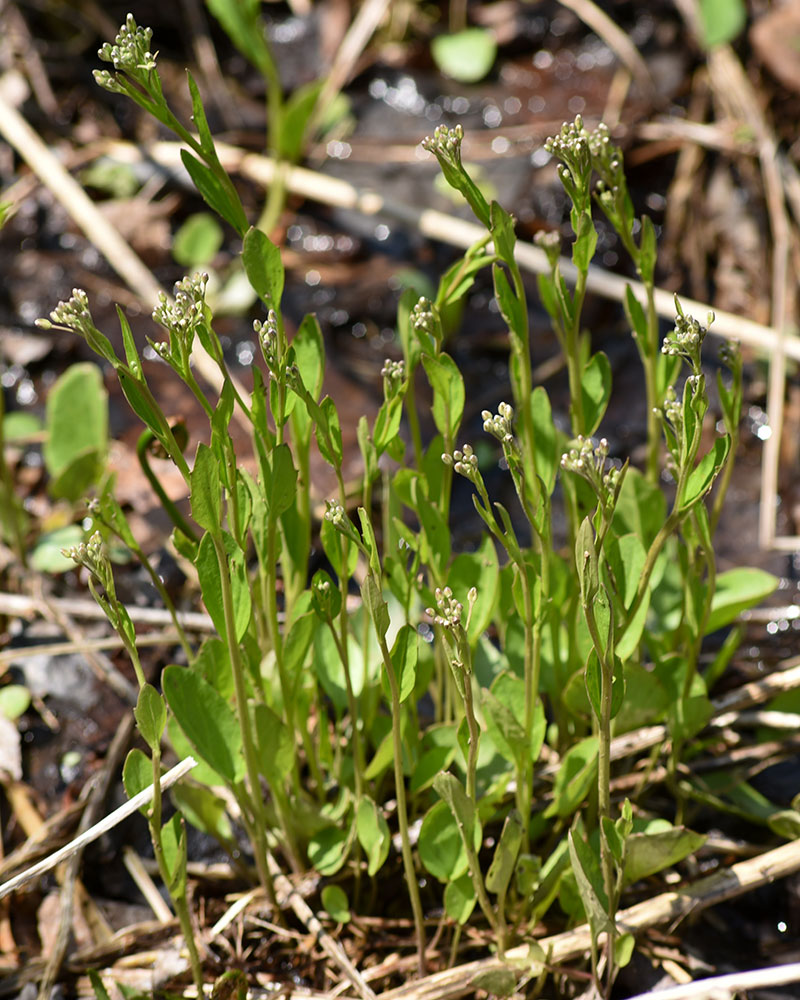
736 591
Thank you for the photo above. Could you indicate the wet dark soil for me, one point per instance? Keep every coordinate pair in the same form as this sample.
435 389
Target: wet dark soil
350 270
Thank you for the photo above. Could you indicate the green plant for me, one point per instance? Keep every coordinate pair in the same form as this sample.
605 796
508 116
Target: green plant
593 634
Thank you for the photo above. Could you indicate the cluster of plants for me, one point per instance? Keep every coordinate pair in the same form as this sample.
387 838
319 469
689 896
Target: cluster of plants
408 689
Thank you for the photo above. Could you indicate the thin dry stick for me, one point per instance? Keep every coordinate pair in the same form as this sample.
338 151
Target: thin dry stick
24 606
364 25
614 37
332 948
719 987
666 908
753 693
82 646
106 824
455 232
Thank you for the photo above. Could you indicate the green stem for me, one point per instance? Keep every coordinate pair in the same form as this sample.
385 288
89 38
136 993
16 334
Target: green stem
251 762
180 522
402 810
178 898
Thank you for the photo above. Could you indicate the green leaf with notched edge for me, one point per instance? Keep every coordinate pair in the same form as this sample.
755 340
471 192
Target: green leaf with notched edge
373 834
208 721
263 266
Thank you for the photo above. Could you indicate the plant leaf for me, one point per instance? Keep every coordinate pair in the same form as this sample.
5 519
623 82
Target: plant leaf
207 720
466 56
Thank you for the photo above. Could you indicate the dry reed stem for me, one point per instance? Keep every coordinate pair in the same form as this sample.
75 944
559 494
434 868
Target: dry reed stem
666 908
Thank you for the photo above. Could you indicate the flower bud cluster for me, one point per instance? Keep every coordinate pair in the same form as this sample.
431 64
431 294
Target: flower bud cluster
464 462
587 459
394 374
267 334
686 338
73 314
499 424
92 556
423 318
449 609
335 513
187 311
131 49
445 142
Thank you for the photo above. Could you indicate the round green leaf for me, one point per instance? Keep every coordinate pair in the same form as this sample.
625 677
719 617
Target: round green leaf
334 900
466 56
197 241
441 848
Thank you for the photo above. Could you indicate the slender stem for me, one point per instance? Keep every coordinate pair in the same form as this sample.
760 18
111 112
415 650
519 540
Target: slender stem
180 522
251 762
402 810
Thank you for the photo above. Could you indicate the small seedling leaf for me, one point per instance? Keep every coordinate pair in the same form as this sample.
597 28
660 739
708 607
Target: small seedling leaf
721 20
328 849
47 557
373 834
334 901
76 421
460 898
466 56
501 982
197 241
